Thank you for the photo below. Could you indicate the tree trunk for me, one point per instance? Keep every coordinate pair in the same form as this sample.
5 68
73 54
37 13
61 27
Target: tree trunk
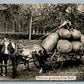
30 26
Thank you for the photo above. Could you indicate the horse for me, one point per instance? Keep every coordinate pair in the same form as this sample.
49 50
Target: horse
4 56
7 49
37 53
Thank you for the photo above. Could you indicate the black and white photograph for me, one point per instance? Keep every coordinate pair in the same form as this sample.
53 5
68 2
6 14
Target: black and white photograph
42 42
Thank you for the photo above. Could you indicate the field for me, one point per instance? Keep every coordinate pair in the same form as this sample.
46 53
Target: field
70 68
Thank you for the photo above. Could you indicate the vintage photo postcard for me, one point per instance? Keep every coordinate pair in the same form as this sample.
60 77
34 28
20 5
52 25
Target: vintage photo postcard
42 42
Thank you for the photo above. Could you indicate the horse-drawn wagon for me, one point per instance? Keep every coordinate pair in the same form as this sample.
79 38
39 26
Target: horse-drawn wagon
48 53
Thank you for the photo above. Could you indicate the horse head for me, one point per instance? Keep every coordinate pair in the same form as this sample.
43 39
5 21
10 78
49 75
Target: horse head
9 47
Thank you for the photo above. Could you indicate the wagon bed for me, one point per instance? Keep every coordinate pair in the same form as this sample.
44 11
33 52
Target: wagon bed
57 59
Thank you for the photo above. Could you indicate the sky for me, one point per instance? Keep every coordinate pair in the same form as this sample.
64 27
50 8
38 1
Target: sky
41 1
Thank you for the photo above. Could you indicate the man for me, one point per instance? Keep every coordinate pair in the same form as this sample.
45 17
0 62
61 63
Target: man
67 25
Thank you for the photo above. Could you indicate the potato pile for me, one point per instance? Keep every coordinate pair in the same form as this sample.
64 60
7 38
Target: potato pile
64 46
50 42
64 41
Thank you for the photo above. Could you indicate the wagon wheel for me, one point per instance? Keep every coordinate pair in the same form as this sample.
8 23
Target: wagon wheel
54 63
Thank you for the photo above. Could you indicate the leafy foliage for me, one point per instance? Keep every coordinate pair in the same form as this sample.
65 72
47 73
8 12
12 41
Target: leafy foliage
45 16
